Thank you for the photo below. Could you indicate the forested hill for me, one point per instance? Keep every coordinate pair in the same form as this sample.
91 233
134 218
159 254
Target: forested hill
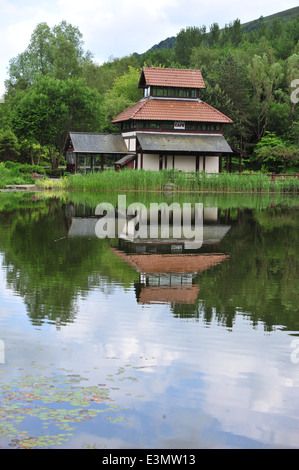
285 16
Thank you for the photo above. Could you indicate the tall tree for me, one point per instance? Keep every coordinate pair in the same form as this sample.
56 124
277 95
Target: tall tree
265 75
186 40
124 93
214 34
57 52
9 147
52 108
272 149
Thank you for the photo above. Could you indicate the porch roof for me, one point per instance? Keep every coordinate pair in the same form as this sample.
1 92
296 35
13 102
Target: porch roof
124 160
97 143
183 143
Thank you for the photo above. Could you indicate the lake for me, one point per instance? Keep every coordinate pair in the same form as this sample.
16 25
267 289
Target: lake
121 343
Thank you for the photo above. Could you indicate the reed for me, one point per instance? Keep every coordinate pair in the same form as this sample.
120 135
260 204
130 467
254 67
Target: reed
110 179
146 180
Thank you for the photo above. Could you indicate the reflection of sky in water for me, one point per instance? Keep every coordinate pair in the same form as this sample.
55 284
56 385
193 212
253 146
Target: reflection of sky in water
196 385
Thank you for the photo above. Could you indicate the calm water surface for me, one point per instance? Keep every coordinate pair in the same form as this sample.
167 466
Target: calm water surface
112 344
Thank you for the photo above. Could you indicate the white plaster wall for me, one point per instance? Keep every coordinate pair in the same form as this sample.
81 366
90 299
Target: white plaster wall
182 162
212 165
210 214
150 162
130 143
169 162
185 163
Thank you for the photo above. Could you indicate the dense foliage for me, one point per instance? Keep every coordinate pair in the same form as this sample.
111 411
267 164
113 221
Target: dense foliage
252 75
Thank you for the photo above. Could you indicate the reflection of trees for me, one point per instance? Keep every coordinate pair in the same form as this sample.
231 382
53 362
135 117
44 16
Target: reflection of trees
260 279
49 270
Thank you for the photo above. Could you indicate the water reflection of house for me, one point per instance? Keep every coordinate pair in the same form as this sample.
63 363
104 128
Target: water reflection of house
169 277
168 271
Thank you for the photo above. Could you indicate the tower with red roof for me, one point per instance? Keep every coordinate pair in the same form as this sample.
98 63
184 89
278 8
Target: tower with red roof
171 127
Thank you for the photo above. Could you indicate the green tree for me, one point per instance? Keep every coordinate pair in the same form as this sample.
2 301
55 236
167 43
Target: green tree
214 34
272 150
52 108
127 85
236 32
124 93
9 146
234 81
57 52
161 57
102 77
276 28
185 41
205 59
265 75
32 153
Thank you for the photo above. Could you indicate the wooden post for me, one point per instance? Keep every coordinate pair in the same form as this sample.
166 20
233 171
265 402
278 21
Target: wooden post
102 162
160 161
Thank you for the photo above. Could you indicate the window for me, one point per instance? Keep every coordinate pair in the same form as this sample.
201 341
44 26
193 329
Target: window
168 126
210 127
172 92
128 125
149 125
154 125
191 126
70 158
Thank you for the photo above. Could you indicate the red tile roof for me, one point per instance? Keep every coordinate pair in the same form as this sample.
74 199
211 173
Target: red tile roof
181 78
170 263
162 295
172 110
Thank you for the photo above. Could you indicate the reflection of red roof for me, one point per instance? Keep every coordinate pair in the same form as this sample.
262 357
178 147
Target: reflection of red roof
180 78
172 110
171 263
180 294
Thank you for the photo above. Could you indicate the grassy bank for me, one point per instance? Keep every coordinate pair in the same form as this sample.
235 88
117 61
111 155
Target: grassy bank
143 180
16 173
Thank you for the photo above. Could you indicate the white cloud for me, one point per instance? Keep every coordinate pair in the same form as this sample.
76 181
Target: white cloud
120 27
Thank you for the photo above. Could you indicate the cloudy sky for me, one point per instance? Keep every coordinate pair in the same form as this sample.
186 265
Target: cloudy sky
116 28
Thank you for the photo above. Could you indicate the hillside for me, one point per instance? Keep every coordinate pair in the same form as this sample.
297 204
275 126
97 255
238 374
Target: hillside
285 16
